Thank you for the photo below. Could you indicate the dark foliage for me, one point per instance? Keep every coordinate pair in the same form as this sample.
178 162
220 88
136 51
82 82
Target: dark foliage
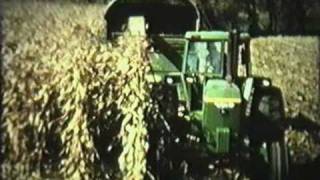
262 17
259 17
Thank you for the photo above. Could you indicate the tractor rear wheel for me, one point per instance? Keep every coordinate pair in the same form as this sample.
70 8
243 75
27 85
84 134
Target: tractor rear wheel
278 160
268 116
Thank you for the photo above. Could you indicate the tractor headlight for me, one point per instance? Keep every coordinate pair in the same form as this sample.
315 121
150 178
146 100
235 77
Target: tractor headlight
181 108
266 83
190 80
169 80
172 79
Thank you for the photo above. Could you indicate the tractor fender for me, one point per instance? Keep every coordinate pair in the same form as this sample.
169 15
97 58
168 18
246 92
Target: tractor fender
249 87
252 83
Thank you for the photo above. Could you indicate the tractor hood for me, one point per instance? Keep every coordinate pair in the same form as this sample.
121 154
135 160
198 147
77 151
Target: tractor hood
221 113
221 93
162 16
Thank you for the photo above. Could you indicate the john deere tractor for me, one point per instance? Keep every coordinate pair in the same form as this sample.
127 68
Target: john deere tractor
208 77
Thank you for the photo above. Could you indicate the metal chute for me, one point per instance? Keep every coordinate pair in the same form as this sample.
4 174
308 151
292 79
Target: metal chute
161 16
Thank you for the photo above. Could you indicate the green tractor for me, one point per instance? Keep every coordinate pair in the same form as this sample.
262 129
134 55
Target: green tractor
209 81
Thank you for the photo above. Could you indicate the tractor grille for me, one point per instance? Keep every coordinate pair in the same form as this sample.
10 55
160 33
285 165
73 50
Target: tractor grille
222 140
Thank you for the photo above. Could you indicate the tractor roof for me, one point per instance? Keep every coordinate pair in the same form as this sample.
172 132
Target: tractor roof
213 35
207 35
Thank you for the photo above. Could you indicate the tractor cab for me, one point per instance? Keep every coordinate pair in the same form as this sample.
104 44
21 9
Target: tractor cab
206 53
205 57
216 53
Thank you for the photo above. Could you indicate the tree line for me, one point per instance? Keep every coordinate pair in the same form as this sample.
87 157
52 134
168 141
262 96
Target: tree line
261 17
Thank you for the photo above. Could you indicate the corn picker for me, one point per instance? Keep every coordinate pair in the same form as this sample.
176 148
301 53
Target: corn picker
209 83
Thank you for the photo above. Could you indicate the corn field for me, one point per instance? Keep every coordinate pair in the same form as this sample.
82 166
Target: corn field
293 65
60 78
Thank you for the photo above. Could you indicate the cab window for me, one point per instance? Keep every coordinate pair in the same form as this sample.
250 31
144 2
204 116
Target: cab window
205 57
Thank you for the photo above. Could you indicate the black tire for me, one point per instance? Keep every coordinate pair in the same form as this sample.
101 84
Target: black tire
278 160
